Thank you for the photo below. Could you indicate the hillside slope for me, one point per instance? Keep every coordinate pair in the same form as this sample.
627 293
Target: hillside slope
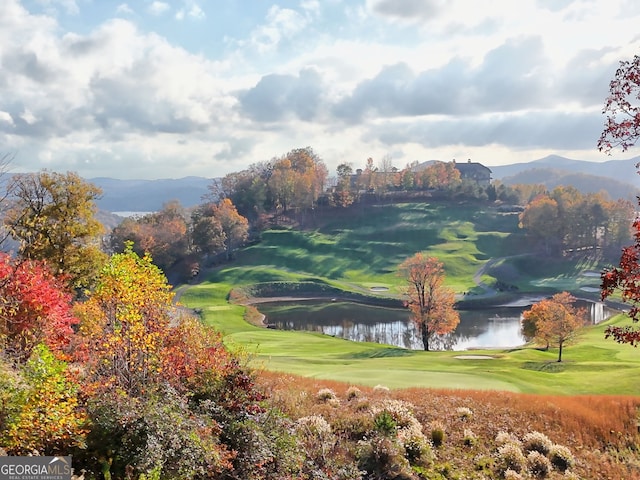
585 183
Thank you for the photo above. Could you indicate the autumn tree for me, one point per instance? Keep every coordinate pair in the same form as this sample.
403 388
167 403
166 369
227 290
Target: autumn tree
163 234
247 189
52 216
343 194
541 220
234 226
123 322
48 417
430 302
207 236
555 321
35 307
622 127
625 279
165 395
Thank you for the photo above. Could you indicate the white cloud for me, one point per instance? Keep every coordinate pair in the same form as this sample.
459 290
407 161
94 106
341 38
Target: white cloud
118 99
191 10
124 9
158 8
5 117
70 6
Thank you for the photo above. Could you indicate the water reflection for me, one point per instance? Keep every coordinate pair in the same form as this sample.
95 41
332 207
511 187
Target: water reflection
497 327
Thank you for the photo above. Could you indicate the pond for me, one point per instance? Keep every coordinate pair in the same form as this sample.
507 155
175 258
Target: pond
497 327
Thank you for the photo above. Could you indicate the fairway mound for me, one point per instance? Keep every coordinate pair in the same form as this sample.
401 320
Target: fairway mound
475 357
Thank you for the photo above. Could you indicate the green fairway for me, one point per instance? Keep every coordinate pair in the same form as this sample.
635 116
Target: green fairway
355 253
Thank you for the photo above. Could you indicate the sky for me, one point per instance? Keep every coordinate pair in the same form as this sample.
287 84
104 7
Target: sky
166 89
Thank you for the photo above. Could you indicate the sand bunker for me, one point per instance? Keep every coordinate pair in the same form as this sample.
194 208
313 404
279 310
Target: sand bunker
379 289
475 357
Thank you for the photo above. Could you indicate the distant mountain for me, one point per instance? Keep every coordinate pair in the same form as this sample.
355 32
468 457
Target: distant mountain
621 170
618 178
149 195
551 178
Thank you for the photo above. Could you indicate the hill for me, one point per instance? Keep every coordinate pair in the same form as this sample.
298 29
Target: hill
585 183
149 195
621 170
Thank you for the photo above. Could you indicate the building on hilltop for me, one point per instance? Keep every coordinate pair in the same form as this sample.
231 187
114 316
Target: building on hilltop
475 172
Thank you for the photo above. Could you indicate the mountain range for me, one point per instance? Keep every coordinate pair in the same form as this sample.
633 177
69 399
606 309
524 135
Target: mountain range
618 177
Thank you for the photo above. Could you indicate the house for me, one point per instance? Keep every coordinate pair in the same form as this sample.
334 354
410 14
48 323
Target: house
475 172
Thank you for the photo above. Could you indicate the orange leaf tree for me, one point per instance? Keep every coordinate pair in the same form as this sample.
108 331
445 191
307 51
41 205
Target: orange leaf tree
430 302
556 320
124 322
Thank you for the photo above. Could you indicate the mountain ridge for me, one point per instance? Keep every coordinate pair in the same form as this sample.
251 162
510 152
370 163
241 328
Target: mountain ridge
141 195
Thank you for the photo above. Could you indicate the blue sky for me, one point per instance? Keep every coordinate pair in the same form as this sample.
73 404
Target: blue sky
166 89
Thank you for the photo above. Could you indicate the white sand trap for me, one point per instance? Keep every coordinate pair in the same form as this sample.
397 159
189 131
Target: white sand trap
379 289
590 289
475 357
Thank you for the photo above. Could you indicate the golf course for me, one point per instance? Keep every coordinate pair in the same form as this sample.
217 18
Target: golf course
354 255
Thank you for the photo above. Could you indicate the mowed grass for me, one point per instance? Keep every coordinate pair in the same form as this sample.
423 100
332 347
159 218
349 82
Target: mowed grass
363 250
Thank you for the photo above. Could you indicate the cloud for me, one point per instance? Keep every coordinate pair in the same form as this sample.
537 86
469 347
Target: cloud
279 97
124 9
281 24
191 10
407 10
70 6
533 130
158 8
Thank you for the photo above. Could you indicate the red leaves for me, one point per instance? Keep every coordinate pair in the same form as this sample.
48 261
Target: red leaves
36 307
622 127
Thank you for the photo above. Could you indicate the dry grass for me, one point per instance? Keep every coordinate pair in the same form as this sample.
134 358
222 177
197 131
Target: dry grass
600 431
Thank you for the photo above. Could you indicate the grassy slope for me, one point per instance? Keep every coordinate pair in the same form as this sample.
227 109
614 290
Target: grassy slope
362 250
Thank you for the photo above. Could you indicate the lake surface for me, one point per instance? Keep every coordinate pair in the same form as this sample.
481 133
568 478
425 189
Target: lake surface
497 327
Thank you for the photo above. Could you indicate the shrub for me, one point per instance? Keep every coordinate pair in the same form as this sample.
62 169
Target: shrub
539 466
561 457
400 411
568 475
417 448
381 389
326 394
464 413
353 393
469 438
512 475
385 424
316 438
383 457
505 437
536 442
438 434
511 458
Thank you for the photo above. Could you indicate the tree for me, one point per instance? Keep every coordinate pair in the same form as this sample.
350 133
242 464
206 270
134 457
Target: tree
625 278
541 220
207 236
35 307
52 216
556 320
430 302
622 127
234 226
123 324
162 234
50 419
343 195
